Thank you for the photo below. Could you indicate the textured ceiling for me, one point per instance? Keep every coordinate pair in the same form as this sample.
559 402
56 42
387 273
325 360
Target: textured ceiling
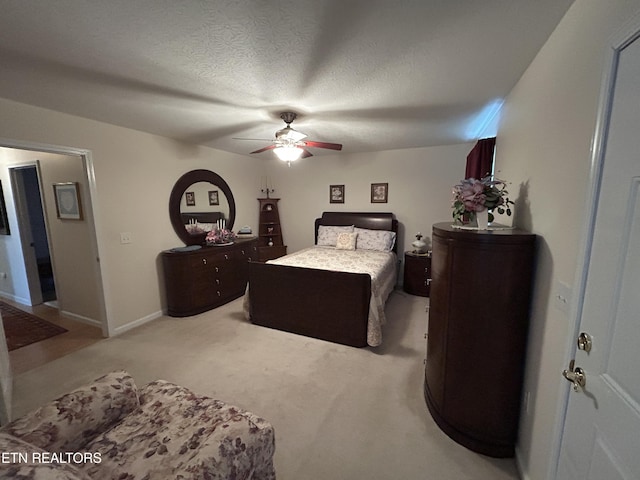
372 75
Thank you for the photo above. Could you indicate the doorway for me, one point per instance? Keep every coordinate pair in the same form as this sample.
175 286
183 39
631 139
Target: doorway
72 266
35 237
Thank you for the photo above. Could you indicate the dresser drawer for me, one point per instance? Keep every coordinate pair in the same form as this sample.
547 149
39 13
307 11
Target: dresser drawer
211 260
248 253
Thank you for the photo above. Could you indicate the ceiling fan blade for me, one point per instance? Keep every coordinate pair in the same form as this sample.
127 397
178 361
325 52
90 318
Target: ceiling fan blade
289 133
270 147
306 153
332 146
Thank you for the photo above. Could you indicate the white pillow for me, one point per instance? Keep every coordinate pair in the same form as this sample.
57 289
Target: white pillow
328 235
380 240
346 241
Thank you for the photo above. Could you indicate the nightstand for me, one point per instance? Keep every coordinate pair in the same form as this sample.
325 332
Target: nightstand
417 273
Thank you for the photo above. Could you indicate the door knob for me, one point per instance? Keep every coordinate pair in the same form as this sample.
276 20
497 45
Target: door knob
575 376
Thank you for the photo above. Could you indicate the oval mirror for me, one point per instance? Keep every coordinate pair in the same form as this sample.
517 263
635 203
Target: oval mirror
199 201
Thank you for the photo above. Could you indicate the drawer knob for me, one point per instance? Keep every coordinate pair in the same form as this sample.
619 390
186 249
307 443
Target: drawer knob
217 269
204 261
217 281
219 294
226 257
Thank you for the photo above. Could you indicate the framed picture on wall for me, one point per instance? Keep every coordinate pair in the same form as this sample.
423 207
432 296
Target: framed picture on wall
67 201
4 221
213 197
190 199
379 192
336 193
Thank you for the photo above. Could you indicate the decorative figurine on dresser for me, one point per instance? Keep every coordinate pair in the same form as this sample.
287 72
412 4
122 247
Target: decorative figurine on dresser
478 323
270 242
212 269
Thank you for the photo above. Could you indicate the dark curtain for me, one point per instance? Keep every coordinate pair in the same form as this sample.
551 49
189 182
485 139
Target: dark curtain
480 159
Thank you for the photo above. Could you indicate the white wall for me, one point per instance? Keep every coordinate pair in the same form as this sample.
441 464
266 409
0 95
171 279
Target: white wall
419 194
544 142
134 173
74 259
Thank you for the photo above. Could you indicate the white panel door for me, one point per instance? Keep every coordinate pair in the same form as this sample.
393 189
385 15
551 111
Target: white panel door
601 436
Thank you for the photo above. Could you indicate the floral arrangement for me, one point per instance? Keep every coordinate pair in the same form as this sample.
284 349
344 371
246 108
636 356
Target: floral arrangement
219 235
472 195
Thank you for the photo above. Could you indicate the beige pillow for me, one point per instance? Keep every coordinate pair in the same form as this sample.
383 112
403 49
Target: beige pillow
346 241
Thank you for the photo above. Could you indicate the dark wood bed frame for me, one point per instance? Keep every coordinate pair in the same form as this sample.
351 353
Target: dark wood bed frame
328 305
201 217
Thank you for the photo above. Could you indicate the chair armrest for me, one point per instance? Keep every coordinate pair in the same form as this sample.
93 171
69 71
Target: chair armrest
73 420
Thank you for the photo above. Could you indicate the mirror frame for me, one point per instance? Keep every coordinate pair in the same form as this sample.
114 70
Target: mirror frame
184 182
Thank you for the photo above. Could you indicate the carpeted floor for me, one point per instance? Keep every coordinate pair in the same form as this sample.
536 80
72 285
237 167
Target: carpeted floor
339 413
22 328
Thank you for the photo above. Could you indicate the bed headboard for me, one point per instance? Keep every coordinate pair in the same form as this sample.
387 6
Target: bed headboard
370 220
201 217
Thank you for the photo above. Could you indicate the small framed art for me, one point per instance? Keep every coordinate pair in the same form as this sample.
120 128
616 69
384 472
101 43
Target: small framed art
379 192
336 193
67 201
190 199
213 197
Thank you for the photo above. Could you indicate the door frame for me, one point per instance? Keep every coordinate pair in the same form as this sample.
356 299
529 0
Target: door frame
94 230
627 34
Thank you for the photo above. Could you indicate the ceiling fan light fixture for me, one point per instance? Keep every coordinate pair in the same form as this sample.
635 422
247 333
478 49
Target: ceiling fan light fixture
288 154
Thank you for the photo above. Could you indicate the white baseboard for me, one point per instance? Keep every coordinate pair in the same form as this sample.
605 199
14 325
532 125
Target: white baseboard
136 323
80 318
8 296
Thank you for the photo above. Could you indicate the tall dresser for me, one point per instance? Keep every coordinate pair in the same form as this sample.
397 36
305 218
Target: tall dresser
202 279
478 323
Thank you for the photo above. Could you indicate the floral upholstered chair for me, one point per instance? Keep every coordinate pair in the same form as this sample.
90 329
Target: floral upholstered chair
110 429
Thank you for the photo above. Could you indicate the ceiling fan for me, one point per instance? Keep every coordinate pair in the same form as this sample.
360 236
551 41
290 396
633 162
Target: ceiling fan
290 145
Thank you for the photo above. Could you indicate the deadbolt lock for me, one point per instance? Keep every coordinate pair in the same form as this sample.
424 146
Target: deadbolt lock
584 342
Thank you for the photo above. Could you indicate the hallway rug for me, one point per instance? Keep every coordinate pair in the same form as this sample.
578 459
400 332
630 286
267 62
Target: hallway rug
22 328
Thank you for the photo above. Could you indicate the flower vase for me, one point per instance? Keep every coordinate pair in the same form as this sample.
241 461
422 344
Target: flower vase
482 219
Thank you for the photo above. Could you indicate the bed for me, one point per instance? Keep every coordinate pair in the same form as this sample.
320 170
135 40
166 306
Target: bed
332 293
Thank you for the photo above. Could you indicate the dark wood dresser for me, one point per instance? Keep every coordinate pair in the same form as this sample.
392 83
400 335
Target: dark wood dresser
199 280
478 323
